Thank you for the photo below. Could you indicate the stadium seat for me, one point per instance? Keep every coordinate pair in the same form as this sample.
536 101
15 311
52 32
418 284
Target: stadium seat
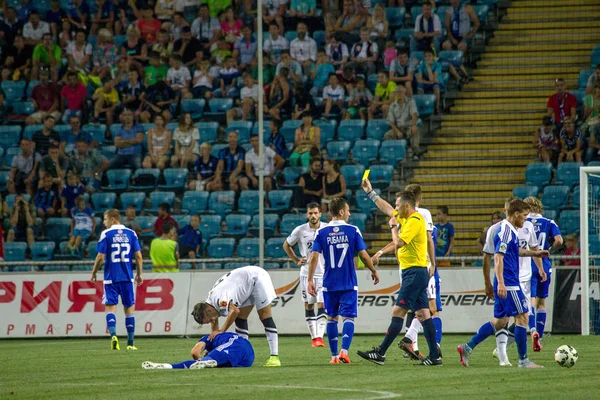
185 266
210 226
108 151
57 229
208 131
30 87
115 128
328 129
248 248
62 129
9 135
269 265
351 129
482 12
538 174
221 203
13 90
359 220
569 221
289 135
4 180
157 198
338 150
353 175
194 202
289 222
154 172
221 248
319 37
237 225
454 57
219 106
377 128
92 248
30 130
364 204
550 214
371 83
20 110
103 201
56 268
81 268
266 128
234 265
395 16
270 222
119 40
243 128
98 132
118 179
10 153
146 222
291 175
403 34
555 197
365 151
595 57
425 104
381 175
195 107
14 251
42 251
584 76
526 191
182 220
174 179
135 199
567 173
392 151
274 248
291 35
279 200
248 202
217 148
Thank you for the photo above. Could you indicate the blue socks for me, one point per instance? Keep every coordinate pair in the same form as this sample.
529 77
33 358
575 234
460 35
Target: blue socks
392 332
347 333
332 336
540 322
483 333
437 321
429 332
130 325
521 341
184 365
111 324
532 319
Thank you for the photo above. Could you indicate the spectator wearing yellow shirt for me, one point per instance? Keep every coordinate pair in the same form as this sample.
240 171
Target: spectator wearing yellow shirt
105 99
46 55
384 96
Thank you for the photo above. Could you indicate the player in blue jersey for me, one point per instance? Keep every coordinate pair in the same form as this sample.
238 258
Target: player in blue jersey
509 300
338 242
225 350
548 235
117 247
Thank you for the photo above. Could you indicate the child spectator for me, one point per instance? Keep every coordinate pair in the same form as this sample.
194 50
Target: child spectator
268 72
82 225
384 96
203 82
445 241
206 165
130 221
321 72
222 52
276 43
156 71
247 102
190 238
178 77
46 198
228 80
545 141
337 51
295 71
358 101
164 251
572 250
364 54
276 140
55 166
105 100
429 73
390 54
70 193
333 97
148 26
571 142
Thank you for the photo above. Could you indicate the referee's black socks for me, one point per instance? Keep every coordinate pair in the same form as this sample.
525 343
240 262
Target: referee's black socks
429 333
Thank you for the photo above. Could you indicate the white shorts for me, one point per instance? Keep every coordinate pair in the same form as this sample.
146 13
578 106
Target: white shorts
306 297
431 292
263 292
526 289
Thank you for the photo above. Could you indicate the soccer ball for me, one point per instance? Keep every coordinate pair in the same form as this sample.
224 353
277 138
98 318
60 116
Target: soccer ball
566 356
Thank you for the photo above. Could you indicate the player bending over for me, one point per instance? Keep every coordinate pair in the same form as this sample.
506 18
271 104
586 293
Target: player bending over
304 235
234 296
338 242
225 350
115 248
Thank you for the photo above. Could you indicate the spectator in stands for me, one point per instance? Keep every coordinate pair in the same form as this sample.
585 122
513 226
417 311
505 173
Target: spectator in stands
310 185
347 77
402 71
164 10
276 140
273 12
228 80
231 26
157 99
321 72
130 92
280 97
120 74
22 176
45 98
275 43
135 50
358 101
46 198
304 103
273 163
65 36
46 55
33 31
295 70
163 45
268 71
105 16
593 151
26 8
247 102
104 57
83 225
78 13
179 77
573 249
378 26
593 81
496 217
334 183
69 194
148 25
3 107
307 142
89 165
17 60
561 105
202 81
429 74
303 49
591 109
206 29
384 95
55 16
190 238
22 222
304 11
462 24
130 220
11 26
364 54
545 141
46 138
389 54
164 215
206 166
159 145
337 51
349 23
245 49
155 71
186 138
188 47
428 30
128 141
55 166
222 51
177 25
333 97
571 142
445 240
105 101
230 166
73 97
403 116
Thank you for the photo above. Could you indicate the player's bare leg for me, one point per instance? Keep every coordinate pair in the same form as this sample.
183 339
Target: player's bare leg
266 318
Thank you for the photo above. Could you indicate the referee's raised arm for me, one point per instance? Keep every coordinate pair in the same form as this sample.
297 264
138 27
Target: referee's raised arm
383 205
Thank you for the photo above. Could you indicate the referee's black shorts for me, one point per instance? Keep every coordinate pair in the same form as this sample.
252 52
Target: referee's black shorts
413 292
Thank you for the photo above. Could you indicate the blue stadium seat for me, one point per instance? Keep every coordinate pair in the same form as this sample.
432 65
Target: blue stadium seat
118 179
57 229
579 95
272 265
217 148
195 107
98 132
182 220
417 56
392 151
353 175
403 34
320 38
185 266
11 152
525 191
377 128
155 172
270 222
4 180
365 151
31 129
584 76
92 248
62 129
174 179
555 197
119 40
103 201
381 175
595 57
274 248
569 222
248 248
42 251
425 104
221 248
56 268
364 204
576 201
248 202
266 128
291 175
14 251
81 268
156 198
135 199
221 203
395 16
115 128
108 151
538 174
20 109
219 106
30 87
338 150
454 57
210 226
371 83
194 202
289 134
13 90
291 35
279 200
567 173
237 225
415 11
351 129
550 214
146 222
328 129
234 265
291 221
482 12
208 131
243 128
9 135
359 220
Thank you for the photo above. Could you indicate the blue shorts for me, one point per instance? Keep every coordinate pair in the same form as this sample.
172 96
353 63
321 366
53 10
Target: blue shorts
538 288
413 292
427 87
438 291
239 353
341 302
85 234
514 304
112 291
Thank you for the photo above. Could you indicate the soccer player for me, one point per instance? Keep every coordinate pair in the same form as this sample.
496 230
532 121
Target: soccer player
548 236
411 242
304 235
338 242
115 248
225 350
509 300
234 296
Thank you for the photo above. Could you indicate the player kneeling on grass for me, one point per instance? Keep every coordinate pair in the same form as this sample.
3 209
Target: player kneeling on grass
225 350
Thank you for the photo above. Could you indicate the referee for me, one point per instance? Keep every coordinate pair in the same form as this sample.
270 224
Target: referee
410 238
164 251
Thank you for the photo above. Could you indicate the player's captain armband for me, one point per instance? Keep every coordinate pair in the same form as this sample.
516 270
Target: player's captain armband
502 248
366 174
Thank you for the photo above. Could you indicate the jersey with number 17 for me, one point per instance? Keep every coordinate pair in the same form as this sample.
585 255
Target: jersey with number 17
338 242
546 230
118 244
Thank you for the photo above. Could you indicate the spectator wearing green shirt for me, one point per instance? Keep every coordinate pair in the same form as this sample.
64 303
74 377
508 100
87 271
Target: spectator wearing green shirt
156 71
268 69
46 55
217 6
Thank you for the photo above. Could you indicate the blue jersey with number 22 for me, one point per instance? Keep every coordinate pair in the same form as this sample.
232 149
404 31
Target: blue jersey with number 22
118 244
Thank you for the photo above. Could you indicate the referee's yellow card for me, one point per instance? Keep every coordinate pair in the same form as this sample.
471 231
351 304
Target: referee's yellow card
366 174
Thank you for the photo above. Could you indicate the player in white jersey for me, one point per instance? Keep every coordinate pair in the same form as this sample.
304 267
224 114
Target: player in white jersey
234 296
303 236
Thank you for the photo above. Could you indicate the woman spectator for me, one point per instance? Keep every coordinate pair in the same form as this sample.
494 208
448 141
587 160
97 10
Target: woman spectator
186 142
545 141
79 53
591 109
308 141
378 27
159 145
349 23
334 183
105 55
206 165
231 26
136 50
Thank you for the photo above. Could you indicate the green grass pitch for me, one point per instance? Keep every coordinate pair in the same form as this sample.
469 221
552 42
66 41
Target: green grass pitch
75 369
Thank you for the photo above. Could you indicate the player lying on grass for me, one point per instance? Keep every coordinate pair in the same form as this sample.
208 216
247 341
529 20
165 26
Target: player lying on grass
225 350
